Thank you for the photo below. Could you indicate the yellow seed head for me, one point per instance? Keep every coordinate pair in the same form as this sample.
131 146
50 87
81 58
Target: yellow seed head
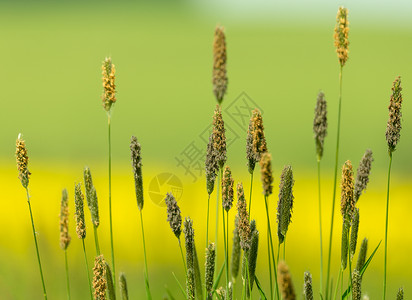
109 87
22 160
99 278
285 282
219 65
341 35
64 221
347 185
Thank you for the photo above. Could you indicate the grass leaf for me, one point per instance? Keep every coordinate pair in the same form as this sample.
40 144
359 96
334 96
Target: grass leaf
261 292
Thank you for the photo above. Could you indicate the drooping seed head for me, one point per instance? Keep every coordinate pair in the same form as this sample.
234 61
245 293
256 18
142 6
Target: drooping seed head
91 197
356 285
320 124
347 202
210 268
399 296
285 282
258 136
362 255
250 155
111 294
227 189
219 137
266 173
362 174
307 286
123 287
64 221
394 126
285 203
99 278
22 160
243 215
219 64
345 243
79 216
136 157
211 166
341 35
173 214
235 260
354 233
109 87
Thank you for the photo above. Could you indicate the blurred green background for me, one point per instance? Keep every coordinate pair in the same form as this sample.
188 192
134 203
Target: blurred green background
280 55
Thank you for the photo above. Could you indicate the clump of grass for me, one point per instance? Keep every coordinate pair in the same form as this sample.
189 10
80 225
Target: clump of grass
219 64
123 287
307 286
22 160
99 278
392 137
285 282
92 203
64 233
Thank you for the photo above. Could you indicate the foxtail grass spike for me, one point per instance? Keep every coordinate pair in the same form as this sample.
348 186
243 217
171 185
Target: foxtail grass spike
190 284
399 296
230 291
99 278
235 259
64 221
354 233
221 293
362 174
356 285
250 154
219 137
341 35
285 203
362 254
307 286
320 124
285 282
91 197
394 126
210 269
345 242
190 247
109 87
136 157
219 64
258 136
78 201
227 189
22 160
123 287
252 257
111 294
347 186
244 227
211 166
173 215
266 173
198 278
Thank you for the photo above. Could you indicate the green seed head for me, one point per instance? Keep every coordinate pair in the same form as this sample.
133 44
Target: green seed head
109 87
22 160
64 221
362 255
210 268
362 174
344 245
235 260
173 215
219 137
354 233
99 278
111 295
211 166
250 155
307 286
285 282
252 255
78 201
258 136
91 197
243 216
320 124
347 200
399 296
227 189
123 287
356 285
219 64
394 126
190 284
285 203
136 157
266 173
189 242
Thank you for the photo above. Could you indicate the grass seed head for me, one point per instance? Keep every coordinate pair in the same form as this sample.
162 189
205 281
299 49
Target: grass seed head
320 124
285 282
354 233
173 215
109 87
99 278
362 255
64 221
307 286
190 284
235 259
356 285
362 174
210 268
266 173
399 296
243 216
347 203
111 294
219 64
22 160
345 242
227 189
394 126
91 197
123 287
136 157
285 203
250 155
341 35
78 201
219 137
252 255
259 145
211 166
189 242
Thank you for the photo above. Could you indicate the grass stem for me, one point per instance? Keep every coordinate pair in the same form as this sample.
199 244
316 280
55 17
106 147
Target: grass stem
67 274
386 226
96 241
320 229
87 270
251 187
110 198
183 257
146 275
207 222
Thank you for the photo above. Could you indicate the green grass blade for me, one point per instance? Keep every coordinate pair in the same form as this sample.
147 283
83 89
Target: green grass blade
180 286
261 292
216 283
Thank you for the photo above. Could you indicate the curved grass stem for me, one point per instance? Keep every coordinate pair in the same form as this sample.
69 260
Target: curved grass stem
386 226
146 275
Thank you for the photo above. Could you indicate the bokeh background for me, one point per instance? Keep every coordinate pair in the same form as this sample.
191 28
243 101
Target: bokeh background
280 55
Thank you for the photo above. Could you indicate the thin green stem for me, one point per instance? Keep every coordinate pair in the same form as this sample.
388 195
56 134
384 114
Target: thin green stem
227 247
67 275
248 277
271 247
337 283
183 257
110 199
250 197
270 268
334 183
35 242
320 229
284 249
350 266
207 222
148 294
224 244
386 226
96 241
217 207
87 270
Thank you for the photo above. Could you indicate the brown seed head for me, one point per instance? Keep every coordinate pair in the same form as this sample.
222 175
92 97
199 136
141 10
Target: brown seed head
91 197
211 166
108 77
243 216
347 203
219 64
320 124
79 215
136 157
173 215
219 137
362 174
285 282
250 155
285 203
258 136
394 126
64 221
266 173
341 35
99 278
227 189
22 160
